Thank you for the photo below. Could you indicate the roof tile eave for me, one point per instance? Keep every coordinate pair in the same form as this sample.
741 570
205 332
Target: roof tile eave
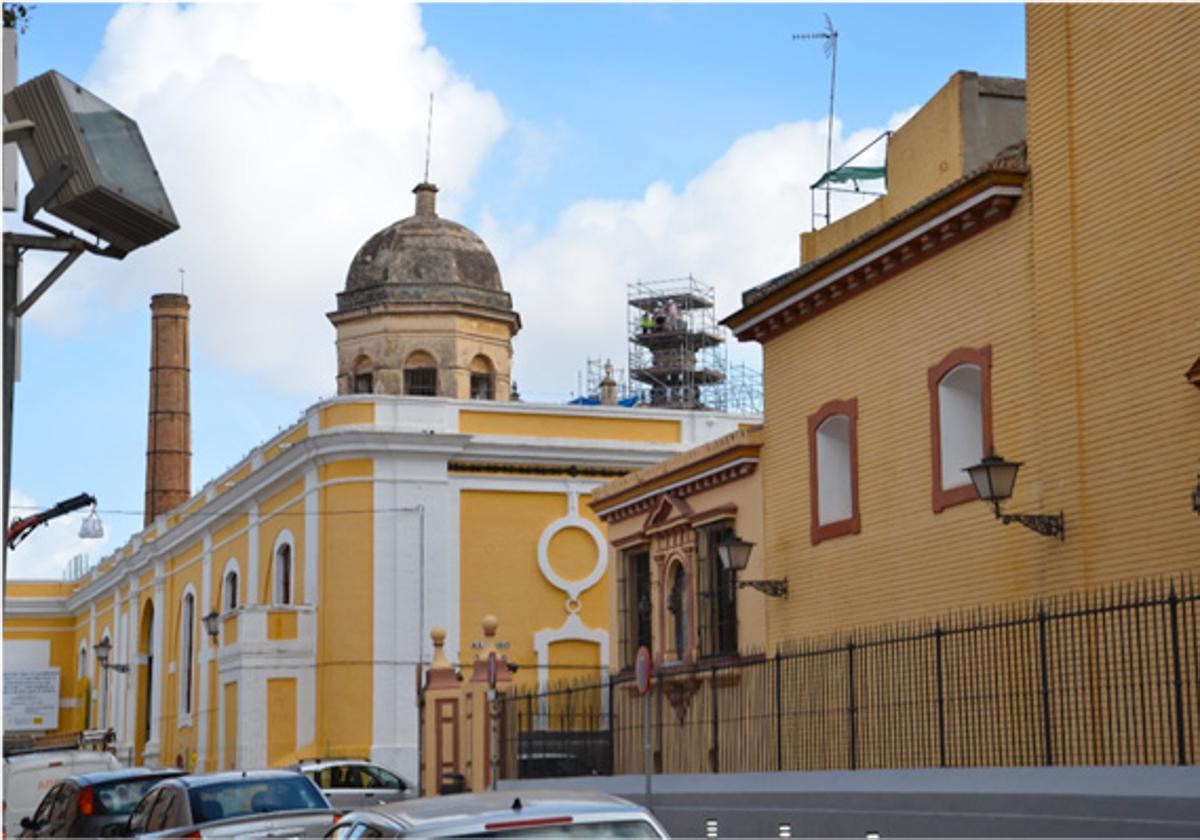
1012 161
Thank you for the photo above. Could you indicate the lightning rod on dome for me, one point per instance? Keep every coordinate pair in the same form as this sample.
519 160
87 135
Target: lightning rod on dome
428 136
180 281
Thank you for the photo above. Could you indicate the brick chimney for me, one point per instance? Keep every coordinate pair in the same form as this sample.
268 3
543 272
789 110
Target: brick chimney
169 432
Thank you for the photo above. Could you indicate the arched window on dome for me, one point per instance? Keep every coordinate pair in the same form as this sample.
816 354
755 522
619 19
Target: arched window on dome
483 379
363 381
420 375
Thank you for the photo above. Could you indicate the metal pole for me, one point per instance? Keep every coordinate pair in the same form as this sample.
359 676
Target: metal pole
941 697
12 267
829 140
1047 741
1180 740
851 708
647 756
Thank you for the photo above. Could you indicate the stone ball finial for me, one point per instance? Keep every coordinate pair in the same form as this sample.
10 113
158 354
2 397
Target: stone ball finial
438 634
490 624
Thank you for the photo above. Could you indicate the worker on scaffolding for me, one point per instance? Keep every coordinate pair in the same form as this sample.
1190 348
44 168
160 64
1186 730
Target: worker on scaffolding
647 322
660 316
676 323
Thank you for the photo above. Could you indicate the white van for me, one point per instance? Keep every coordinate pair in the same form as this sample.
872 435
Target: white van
28 777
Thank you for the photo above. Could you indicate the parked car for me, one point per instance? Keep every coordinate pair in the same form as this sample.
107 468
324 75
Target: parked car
249 803
30 776
353 783
92 804
520 813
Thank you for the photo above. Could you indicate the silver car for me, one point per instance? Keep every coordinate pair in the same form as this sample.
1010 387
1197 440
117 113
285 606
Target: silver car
518 813
254 803
353 783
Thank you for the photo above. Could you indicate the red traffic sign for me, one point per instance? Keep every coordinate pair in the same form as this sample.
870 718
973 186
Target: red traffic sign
645 671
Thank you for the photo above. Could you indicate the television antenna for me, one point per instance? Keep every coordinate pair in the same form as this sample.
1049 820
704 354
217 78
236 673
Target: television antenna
830 36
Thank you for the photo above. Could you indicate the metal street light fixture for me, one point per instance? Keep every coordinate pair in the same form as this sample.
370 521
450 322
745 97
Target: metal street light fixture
735 556
212 624
91 169
994 479
1196 496
103 650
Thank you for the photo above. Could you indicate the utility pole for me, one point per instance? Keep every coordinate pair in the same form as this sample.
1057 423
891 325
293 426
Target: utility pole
830 36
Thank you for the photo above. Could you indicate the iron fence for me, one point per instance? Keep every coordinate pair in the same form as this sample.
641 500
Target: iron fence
1098 678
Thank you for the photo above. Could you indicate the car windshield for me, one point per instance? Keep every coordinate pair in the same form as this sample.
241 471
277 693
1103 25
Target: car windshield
119 797
242 797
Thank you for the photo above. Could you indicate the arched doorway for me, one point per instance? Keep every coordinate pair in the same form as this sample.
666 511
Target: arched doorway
145 680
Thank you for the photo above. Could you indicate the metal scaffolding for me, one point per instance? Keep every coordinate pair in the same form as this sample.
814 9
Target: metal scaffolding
676 348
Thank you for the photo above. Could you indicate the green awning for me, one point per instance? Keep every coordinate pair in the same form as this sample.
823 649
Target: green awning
851 173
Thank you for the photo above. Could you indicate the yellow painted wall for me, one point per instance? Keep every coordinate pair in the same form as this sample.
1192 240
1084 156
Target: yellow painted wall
282 511
64 646
348 414
229 707
1112 133
344 651
520 424
1087 296
281 719
500 525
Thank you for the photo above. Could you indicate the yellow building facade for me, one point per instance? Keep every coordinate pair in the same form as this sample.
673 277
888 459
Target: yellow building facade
284 610
1037 298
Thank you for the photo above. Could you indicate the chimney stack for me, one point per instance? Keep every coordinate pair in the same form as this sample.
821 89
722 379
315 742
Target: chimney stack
169 432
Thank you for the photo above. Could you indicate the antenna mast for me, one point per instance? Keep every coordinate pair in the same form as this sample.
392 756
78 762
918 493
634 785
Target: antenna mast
830 36
428 136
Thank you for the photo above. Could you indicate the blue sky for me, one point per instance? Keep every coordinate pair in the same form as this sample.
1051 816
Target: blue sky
590 145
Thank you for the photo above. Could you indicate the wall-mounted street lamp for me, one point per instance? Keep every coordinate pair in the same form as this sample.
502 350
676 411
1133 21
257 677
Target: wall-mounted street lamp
103 650
1196 496
212 624
735 556
994 479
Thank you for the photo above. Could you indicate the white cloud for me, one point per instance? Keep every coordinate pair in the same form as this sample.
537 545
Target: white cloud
47 550
733 226
286 135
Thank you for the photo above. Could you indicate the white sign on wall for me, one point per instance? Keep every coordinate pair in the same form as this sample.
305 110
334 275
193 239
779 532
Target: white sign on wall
31 698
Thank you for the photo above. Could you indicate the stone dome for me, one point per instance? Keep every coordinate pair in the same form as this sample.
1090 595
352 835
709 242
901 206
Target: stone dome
424 259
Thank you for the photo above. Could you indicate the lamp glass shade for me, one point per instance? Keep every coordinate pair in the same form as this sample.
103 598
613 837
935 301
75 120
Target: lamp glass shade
91 528
1196 496
103 650
734 552
212 623
994 478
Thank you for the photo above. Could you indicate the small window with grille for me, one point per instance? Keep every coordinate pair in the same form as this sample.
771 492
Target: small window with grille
420 382
364 383
716 593
634 607
481 386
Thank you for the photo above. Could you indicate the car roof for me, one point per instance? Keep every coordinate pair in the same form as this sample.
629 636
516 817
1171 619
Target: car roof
65 757
321 763
197 781
123 774
501 805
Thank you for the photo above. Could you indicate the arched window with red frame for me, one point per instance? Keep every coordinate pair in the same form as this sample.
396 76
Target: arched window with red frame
960 422
833 470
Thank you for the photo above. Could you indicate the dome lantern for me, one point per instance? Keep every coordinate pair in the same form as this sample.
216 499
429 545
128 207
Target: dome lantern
424 313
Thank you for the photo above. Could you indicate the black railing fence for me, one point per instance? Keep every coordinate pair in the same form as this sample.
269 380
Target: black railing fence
1105 677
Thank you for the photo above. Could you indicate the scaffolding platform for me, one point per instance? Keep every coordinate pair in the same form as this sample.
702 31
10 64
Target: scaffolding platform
676 348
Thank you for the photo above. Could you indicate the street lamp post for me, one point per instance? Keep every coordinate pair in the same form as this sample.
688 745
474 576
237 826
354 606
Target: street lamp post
994 479
103 650
735 556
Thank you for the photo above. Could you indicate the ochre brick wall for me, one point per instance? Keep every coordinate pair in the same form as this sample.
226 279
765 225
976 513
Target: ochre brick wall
1089 298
